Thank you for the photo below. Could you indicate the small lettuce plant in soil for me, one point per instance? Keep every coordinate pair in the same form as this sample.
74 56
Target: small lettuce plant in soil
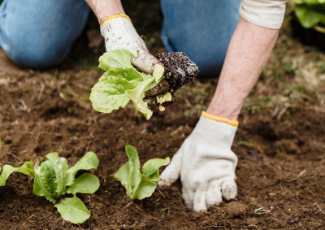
139 184
121 83
52 179
310 12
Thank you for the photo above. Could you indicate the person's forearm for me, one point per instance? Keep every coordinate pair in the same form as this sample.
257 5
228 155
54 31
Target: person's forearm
249 49
105 8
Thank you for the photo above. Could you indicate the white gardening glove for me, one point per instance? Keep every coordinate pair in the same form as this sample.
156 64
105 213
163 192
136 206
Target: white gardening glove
205 164
119 33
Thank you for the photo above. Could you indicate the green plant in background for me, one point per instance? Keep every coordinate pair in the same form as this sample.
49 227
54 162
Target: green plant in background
139 185
310 12
52 179
122 82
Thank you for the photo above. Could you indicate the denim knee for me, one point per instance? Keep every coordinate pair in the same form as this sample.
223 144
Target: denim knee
38 33
33 55
200 29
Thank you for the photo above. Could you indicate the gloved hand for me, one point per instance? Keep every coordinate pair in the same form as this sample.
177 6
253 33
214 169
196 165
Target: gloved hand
205 164
119 33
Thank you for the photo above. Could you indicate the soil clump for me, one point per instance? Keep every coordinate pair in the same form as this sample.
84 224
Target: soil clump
179 69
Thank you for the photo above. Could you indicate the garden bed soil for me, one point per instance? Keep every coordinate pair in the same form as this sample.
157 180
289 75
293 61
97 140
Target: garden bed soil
280 169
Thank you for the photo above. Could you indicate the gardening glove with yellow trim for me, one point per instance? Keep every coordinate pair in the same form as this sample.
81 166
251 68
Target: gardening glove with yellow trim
119 33
205 164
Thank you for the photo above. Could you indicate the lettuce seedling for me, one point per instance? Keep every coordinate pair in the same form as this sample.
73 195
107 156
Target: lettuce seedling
139 185
8 169
122 82
52 179
310 12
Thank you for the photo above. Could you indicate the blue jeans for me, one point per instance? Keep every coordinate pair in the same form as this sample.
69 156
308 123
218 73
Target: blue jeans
201 29
40 33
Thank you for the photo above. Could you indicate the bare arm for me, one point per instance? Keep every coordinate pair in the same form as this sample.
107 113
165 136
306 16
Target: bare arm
105 8
249 49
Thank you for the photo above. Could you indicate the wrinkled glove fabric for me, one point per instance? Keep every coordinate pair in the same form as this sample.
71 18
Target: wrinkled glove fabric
119 33
205 164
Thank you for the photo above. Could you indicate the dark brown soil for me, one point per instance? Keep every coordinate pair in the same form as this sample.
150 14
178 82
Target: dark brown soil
281 162
280 143
179 69
161 87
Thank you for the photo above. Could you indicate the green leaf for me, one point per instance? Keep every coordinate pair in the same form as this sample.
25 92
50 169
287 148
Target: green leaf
309 2
47 173
59 162
137 95
145 189
39 187
29 167
60 166
137 186
86 183
122 82
73 210
151 167
109 94
8 170
162 98
134 176
129 74
120 58
122 175
52 177
158 72
310 12
88 161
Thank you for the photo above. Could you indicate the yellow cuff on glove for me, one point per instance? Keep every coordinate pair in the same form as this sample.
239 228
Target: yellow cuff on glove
115 16
221 119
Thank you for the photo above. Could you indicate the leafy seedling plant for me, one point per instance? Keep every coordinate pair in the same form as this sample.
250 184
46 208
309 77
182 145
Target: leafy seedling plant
8 169
52 179
139 185
122 82
310 12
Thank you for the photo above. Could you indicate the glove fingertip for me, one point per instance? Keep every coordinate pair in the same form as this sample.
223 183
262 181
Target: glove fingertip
172 171
163 183
167 179
200 201
214 196
229 190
